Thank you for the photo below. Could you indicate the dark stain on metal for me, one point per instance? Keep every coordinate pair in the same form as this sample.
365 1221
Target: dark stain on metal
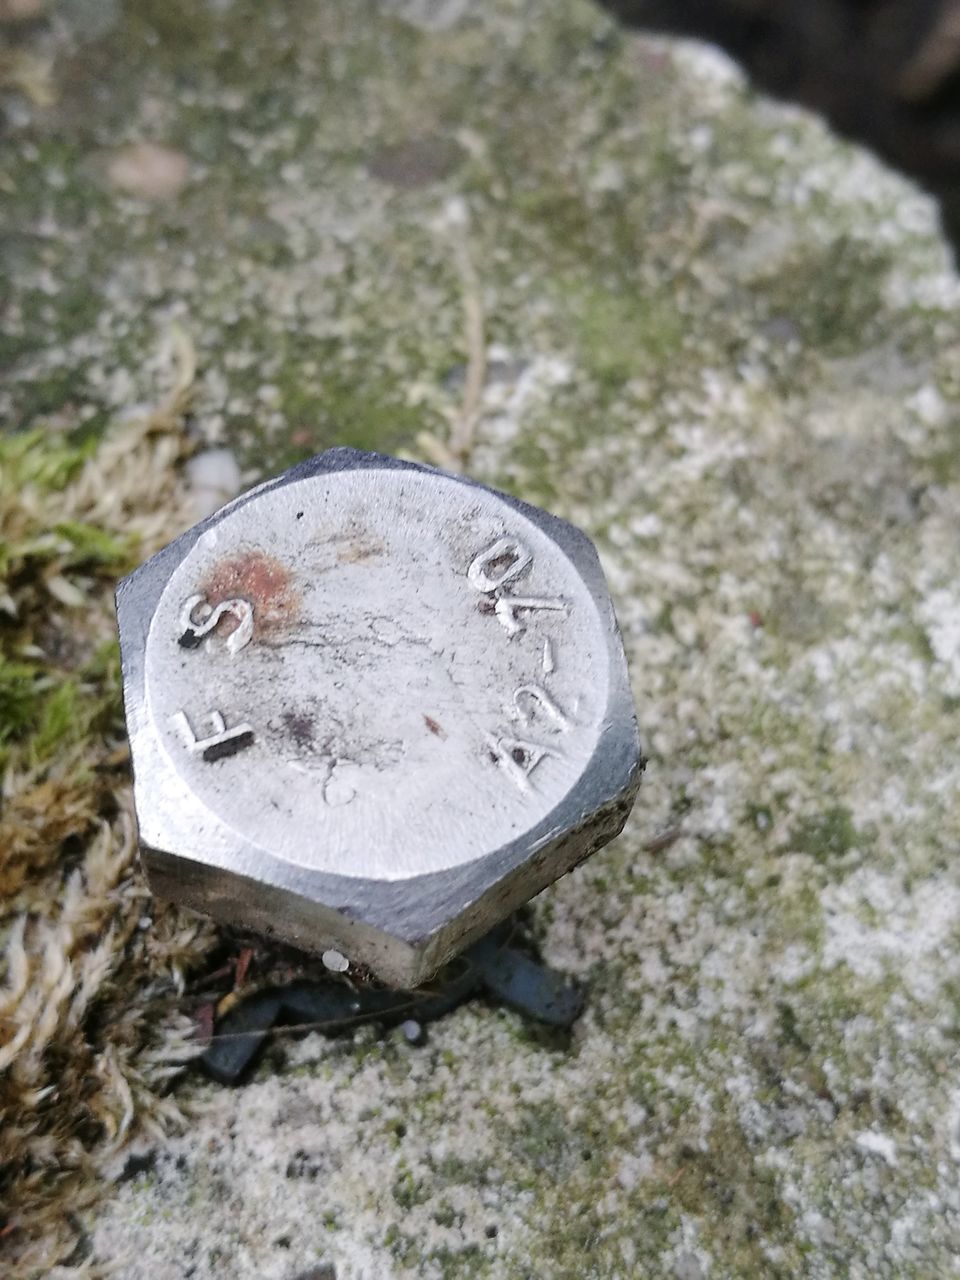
356 550
300 727
434 727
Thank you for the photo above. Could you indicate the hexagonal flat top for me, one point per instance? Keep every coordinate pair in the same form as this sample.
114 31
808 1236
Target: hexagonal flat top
380 672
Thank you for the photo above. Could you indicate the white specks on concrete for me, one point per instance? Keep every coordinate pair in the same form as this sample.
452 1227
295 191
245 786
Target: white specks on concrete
878 1144
940 614
880 927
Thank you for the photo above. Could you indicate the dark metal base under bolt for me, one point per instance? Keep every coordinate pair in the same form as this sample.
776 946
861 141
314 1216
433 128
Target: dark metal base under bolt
491 967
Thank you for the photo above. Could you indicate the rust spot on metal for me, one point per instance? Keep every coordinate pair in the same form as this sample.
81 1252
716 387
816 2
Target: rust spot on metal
259 578
486 606
434 727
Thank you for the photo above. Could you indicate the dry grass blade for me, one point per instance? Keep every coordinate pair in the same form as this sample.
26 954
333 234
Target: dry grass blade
454 454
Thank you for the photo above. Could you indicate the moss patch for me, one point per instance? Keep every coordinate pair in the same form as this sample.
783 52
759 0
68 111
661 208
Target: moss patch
827 835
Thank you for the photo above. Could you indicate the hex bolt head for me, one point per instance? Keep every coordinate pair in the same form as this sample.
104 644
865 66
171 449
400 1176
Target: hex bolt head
373 708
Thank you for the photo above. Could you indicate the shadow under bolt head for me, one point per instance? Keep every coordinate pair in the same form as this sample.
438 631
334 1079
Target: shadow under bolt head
373 708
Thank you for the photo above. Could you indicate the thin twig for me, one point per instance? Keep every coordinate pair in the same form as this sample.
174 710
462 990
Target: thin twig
463 433
454 453
664 840
331 1024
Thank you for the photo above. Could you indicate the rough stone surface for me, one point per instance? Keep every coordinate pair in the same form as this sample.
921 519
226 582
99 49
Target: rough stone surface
727 346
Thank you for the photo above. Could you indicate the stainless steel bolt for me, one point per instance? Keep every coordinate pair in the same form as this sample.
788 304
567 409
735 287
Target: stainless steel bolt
373 708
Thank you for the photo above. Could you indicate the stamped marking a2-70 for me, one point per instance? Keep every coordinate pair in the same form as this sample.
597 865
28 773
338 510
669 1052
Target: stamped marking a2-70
493 571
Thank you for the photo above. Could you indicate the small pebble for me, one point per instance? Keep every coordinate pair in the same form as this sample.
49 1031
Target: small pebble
149 170
21 10
214 478
412 1031
335 962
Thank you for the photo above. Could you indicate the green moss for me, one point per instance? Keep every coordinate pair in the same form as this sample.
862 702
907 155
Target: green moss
530 465
46 711
42 397
798 616
740 1198
409 1191
445 1215
61 720
944 464
542 1140
53 703
21 699
92 546
39 459
406 1249
349 408
832 292
789 1031
467 1262
622 335
170 28
456 1171
760 817
826 836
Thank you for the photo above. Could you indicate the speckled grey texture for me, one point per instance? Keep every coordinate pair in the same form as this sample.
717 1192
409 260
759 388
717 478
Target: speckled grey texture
727 346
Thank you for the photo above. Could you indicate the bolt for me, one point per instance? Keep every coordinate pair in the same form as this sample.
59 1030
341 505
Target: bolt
373 708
